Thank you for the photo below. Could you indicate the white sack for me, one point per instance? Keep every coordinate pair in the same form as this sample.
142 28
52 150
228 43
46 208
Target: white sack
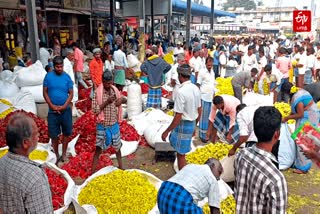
8 89
128 148
287 148
134 100
154 132
36 91
24 100
31 76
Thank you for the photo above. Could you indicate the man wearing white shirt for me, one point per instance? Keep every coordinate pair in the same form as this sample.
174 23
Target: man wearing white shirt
109 63
249 60
311 59
245 122
206 81
302 65
178 50
44 54
187 108
120 65
175 83
195 63
68 68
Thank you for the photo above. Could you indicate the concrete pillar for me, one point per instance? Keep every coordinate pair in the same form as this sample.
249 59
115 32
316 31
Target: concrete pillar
188 22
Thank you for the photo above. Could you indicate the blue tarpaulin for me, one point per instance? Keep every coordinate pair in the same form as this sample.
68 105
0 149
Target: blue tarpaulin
198 10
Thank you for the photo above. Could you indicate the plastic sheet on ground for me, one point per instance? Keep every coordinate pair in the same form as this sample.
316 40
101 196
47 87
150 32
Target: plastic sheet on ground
70 189
90 209
71 146
128 148
51 158
254 99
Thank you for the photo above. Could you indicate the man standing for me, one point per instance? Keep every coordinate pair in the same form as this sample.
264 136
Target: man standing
68 68
78 65
120 65
44 54
155 67
223 120
242 79
193 183
187 108
175 84
205 82
96 68
106 104
259 185
195 63
58 93
24 185
249 60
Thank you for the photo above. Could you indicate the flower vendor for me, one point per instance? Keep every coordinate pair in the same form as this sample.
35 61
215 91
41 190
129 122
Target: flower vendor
58 93
274 77
245 122
187 108
223 120
24 185
155 67
242 79
193 183
206 82
260 187
106 104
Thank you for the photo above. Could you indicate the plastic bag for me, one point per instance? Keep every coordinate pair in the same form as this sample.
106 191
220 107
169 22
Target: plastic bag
307 137
287 148
31 76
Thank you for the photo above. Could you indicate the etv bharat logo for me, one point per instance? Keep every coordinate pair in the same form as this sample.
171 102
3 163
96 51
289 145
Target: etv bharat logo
301 20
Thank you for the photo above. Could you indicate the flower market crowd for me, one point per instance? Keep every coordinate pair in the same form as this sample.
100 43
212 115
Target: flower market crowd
288 70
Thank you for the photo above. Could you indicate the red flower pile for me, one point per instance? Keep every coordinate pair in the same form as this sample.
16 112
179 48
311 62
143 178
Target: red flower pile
58 186
86 127
128 133
42 127
84 103
145 88
81 165
84 93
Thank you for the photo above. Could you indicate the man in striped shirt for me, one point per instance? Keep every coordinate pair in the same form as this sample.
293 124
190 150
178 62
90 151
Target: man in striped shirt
259 185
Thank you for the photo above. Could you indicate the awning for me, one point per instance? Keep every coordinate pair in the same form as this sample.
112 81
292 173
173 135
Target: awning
198 10
80 12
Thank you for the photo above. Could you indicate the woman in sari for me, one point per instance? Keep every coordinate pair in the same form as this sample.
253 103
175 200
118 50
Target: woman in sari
303 109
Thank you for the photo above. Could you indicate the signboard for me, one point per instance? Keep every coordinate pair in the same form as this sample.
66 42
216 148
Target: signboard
77 4
53 3
101 5
301 20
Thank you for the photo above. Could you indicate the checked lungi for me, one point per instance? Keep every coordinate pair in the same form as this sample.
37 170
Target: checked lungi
181 136
108 136
204 119
222 122
173 198
154 98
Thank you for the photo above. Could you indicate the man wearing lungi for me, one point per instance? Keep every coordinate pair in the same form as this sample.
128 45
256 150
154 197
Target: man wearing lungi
155 67
181 193
187 108
106 104
206 81
223 119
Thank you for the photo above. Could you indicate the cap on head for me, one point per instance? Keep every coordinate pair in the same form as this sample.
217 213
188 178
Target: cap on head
96 50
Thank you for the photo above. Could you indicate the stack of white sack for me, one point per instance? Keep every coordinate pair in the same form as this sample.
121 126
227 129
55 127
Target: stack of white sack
30 79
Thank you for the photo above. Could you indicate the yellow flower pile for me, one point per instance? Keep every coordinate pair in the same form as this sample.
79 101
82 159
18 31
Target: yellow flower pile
201 155
284 109
227 206
120 192
34 155
224 86
8 111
